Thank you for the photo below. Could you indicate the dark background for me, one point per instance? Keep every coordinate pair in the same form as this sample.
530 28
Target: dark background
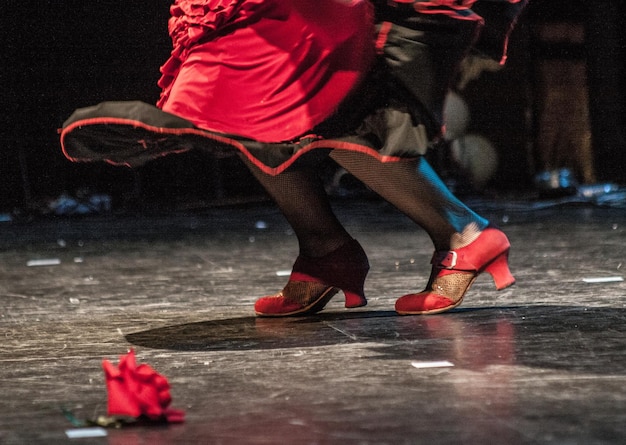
60 55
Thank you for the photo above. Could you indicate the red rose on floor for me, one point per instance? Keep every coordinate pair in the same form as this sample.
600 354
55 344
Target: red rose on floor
138 390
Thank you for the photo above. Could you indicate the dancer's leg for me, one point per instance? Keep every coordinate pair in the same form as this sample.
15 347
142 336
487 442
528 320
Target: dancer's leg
301 197
464 244
329 259
416 190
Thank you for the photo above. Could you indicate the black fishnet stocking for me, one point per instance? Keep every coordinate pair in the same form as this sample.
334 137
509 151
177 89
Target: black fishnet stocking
301 197
416 190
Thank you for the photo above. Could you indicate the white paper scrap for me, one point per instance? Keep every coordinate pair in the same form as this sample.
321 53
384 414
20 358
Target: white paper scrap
439 364
81 433
44 262
603 280
283 273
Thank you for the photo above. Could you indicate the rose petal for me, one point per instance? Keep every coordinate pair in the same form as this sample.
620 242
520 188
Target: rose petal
120 400
128 362
110 370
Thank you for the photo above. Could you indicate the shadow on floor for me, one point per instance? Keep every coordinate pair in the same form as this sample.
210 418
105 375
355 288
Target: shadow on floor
580 339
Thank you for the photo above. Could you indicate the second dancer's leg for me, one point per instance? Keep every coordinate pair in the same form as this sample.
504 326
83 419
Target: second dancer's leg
329 259
465 244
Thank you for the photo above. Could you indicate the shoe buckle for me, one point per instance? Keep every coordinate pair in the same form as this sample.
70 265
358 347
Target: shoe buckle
445 260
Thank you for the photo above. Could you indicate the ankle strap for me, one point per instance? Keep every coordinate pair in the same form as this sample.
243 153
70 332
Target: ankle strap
445 259
451 260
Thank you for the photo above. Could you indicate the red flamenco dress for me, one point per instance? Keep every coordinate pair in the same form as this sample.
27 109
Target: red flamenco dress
277 80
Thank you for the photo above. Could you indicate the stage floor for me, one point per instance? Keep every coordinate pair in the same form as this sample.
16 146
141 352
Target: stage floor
543 362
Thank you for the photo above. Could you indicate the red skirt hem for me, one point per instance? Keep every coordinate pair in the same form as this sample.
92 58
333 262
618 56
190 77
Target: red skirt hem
137 143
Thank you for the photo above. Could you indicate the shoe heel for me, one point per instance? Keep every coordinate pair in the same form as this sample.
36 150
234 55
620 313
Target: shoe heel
500 272
352 285
354 299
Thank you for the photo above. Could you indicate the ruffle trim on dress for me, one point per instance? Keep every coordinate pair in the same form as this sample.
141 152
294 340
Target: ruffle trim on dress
192 21
133 133
136 143
497 25
458 10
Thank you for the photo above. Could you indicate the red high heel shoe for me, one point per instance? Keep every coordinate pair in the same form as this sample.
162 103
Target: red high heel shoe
314 281
454 272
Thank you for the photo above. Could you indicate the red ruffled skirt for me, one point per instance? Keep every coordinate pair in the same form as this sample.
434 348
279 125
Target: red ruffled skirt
284 82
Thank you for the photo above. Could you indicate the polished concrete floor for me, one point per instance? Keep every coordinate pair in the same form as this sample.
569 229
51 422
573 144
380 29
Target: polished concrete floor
543 362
